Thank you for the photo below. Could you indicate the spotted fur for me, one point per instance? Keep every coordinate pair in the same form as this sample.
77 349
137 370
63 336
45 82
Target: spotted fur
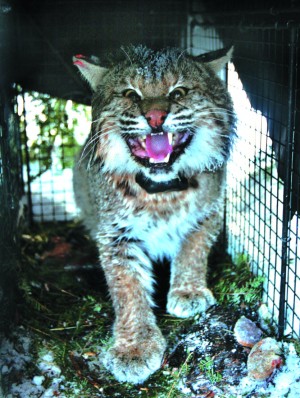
141 208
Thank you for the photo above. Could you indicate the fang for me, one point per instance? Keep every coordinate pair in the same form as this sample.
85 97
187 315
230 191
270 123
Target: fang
165 160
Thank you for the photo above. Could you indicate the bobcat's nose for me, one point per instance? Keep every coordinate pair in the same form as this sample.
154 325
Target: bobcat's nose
156 117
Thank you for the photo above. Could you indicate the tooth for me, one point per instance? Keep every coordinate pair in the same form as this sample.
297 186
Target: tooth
167 158
170 138
142 142
160 133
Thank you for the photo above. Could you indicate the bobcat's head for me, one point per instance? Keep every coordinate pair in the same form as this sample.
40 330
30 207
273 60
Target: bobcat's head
162 116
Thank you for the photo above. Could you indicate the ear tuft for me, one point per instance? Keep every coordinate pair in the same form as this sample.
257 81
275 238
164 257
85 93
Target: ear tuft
217 59
90 69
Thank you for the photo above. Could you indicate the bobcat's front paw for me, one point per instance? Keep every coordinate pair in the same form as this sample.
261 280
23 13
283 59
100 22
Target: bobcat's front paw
184 304
136 360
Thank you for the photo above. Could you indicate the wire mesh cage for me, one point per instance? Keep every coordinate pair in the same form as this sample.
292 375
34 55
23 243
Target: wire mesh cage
263 174
52 33
53 130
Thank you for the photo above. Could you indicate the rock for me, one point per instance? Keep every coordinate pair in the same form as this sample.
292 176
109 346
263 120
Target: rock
264 358
246 332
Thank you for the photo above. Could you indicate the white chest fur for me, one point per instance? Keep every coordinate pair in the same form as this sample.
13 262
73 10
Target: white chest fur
162 237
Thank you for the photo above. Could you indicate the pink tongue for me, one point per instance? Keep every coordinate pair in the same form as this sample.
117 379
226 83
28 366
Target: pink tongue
157 146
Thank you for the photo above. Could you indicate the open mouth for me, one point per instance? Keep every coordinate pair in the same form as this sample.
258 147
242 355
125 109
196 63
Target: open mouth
158 149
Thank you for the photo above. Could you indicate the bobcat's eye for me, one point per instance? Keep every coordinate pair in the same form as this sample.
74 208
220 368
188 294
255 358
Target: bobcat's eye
178 93
133 95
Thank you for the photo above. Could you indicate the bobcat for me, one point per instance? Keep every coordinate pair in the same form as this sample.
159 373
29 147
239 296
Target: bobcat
150 185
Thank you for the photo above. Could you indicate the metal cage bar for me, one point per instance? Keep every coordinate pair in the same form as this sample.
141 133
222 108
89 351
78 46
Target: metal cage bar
289 151
263 183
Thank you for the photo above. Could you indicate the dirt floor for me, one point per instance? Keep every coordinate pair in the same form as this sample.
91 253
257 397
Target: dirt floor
64 319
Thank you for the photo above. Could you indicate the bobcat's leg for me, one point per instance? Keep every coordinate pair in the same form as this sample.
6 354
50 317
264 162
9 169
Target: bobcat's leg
188 294
138 346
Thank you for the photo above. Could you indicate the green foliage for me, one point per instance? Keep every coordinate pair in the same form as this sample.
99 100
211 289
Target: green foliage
207 367
55 131
177 374
72 320
296 342
297 346
26 288
237 285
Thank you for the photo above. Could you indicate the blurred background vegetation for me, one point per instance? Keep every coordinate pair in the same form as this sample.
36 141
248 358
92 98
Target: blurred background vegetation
54 129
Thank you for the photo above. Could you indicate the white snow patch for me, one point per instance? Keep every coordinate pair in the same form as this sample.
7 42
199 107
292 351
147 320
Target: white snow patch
16 357
285 383
26 389
47 365
193 342
13 358
38 380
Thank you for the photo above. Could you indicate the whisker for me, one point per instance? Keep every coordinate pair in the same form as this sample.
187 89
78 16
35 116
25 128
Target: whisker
218 109
128 57
90 145
85 155
96 120
181 54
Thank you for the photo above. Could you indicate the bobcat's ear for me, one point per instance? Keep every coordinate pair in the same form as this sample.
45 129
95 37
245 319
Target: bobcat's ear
216 59
90 69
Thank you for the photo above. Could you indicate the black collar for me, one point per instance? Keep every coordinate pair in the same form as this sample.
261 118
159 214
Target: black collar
177 184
